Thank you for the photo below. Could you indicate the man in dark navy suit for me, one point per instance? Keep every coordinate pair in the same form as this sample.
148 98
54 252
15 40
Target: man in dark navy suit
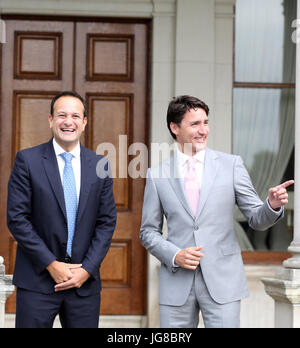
63 217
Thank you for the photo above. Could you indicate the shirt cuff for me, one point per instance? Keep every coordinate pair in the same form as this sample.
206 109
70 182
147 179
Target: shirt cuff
275 211
173 262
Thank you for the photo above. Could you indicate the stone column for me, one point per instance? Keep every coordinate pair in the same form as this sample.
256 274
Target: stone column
294 248
6 289
285 287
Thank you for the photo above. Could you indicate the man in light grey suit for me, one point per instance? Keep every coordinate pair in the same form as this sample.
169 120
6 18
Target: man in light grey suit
196 191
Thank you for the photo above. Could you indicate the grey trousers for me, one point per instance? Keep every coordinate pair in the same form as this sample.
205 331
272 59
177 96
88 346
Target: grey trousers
214 315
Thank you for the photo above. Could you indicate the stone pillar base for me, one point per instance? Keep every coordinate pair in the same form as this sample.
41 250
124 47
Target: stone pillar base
6 289
285 290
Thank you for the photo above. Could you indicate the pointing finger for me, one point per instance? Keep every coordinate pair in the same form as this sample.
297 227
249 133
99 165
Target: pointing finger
287 183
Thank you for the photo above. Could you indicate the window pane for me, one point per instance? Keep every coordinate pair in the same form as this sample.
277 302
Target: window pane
264 124
264 51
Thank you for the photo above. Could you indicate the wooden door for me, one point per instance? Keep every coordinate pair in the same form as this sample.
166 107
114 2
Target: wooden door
106 62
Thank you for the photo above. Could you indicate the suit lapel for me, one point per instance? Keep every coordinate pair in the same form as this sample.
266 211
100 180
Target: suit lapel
52 172
85 181
210 169
177 183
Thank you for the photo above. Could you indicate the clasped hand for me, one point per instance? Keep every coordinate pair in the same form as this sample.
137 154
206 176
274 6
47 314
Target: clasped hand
67 276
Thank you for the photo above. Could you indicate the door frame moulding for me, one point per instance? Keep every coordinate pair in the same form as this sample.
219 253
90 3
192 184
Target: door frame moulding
102 8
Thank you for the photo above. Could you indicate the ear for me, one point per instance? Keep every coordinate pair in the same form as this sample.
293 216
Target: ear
50 119
174 128
85 121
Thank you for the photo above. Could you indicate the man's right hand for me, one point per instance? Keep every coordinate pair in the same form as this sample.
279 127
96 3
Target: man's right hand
189 258
61 271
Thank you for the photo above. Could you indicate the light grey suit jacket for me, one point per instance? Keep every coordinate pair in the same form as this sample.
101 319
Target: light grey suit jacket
225 183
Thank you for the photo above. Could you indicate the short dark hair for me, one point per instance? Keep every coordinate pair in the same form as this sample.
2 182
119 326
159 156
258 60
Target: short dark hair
179 106
68 94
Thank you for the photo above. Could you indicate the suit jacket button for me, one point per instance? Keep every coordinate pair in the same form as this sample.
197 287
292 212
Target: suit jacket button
196 228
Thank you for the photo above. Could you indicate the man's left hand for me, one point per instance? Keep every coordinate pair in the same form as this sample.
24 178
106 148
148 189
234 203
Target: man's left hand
80 276
278 196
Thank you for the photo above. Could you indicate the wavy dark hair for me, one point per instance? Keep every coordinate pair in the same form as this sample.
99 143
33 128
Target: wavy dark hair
179 106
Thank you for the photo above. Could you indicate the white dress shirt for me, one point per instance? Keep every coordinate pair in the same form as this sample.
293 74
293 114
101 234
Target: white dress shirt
76 164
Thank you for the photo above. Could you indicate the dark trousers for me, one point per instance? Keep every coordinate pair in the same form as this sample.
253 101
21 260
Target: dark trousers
35 310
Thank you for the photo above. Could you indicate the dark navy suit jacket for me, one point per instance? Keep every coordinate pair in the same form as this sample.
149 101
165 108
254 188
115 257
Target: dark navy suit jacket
36 217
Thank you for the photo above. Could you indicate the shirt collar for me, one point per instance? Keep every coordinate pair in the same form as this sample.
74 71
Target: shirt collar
59 150
183 158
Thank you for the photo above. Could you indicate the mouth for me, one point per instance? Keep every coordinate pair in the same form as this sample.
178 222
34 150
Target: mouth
201 139
67 130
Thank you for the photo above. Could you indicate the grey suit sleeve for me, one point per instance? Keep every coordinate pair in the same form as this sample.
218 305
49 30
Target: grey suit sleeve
259 214
151 234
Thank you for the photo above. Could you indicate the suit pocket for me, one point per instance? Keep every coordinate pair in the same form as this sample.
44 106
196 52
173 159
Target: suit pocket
231 249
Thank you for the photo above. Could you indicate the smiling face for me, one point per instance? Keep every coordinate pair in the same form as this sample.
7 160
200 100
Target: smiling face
193 129
67 122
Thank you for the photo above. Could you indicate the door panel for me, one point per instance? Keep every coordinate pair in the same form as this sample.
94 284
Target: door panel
47 46
107 64
27 105
111 71
112 113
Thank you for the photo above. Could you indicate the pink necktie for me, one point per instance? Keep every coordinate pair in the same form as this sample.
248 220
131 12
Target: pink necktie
191 185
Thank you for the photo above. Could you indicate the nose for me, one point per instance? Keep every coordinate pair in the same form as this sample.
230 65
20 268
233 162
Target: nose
68 120
202 129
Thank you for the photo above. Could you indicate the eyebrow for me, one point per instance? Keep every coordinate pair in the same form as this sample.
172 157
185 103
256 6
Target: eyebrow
193 122
65 112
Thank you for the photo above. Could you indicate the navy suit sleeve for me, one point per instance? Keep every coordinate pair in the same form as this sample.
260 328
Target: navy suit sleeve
104 229
19 216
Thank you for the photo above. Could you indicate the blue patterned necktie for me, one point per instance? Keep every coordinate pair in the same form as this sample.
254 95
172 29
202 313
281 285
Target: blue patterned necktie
69 186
